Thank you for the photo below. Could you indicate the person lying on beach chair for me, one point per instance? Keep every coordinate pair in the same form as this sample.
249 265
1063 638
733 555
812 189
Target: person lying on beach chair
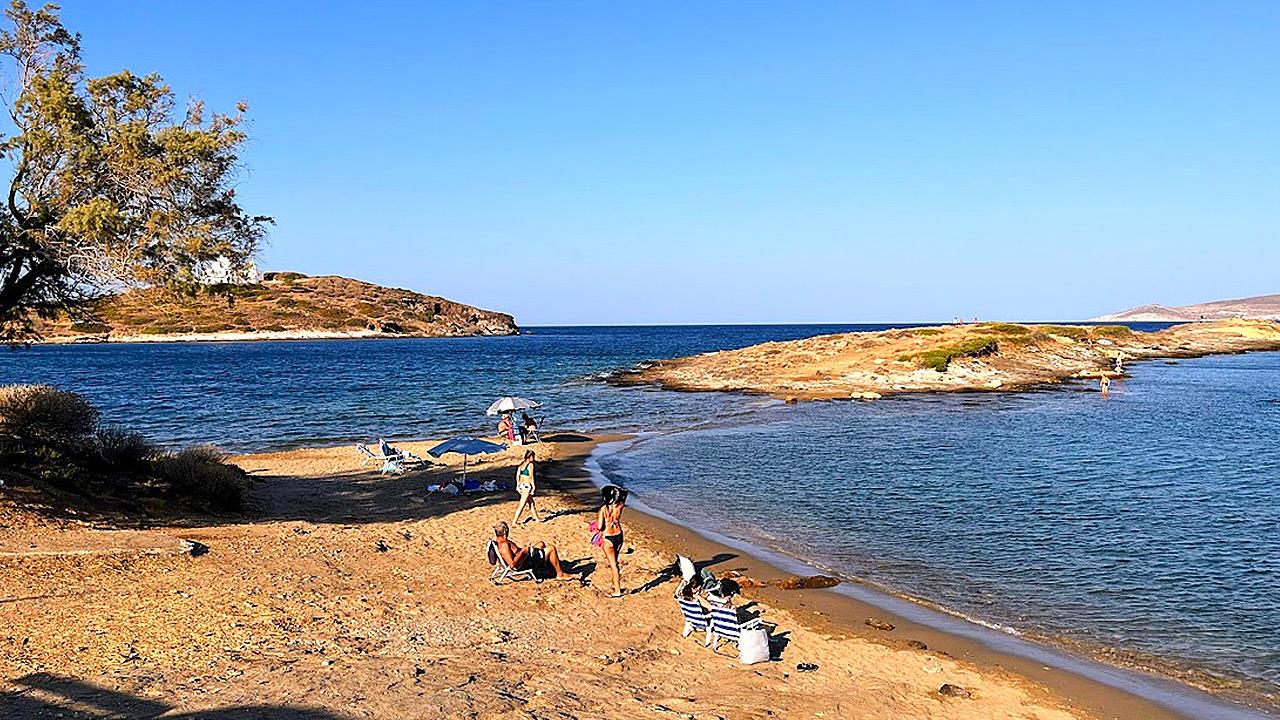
539 559
726 624
528 429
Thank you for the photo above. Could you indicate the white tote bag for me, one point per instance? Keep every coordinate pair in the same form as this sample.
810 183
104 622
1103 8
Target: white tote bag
753 646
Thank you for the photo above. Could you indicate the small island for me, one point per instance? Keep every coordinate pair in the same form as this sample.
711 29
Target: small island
952 358
280 306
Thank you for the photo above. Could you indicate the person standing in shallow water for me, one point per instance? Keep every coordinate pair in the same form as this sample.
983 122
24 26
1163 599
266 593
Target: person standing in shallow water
1104 383
526 486
609 521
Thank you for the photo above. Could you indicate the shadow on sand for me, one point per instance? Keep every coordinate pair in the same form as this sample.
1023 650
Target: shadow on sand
42 695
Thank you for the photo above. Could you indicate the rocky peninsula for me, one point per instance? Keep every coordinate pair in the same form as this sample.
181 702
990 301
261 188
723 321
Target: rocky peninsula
952 358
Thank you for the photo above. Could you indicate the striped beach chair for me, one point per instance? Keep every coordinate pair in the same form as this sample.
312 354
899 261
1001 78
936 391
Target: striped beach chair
725 623
695 618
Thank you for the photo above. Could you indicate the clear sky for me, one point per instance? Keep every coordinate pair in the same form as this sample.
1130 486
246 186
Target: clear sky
603 162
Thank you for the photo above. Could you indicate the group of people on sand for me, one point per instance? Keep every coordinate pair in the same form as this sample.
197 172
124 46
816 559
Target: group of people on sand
517 432
544 558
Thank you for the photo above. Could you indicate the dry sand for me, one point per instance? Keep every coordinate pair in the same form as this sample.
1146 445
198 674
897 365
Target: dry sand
348 595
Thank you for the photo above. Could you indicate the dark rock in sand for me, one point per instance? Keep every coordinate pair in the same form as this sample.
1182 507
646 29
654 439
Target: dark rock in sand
949 690
795 582
194 548
879 624
916 644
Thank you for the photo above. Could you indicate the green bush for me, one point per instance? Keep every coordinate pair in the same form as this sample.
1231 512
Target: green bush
1114 331
940 359
1007 328
926 331
36 413
201 477
1074 332
124 449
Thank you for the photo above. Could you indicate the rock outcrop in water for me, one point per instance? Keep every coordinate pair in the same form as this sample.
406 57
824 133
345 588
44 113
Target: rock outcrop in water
283 306
987 356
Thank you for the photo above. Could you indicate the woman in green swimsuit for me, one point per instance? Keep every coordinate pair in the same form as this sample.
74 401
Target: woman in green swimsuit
526 485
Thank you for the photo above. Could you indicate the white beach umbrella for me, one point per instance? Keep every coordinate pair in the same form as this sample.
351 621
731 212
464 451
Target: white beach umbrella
510 404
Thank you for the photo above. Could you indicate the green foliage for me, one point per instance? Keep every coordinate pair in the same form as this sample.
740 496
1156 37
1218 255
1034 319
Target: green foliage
926 331
1006 328
124 449
1075 332
112 183
201 476
53 435
1112 331
940 358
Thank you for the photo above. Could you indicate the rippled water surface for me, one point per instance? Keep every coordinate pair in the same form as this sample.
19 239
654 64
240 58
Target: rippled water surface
1149 521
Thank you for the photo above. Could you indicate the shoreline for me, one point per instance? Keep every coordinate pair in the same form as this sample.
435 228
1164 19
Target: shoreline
1088 683
336 566
264 336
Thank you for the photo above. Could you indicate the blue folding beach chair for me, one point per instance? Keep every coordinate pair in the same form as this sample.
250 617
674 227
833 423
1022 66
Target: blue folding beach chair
726 625
695 618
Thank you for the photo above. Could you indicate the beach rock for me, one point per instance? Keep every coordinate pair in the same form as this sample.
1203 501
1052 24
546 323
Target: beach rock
193 548
795 582
806 667
879 624
949 690
382 546
917 645
867 395
791 399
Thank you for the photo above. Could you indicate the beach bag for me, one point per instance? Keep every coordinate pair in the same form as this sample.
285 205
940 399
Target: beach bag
597 537
753 646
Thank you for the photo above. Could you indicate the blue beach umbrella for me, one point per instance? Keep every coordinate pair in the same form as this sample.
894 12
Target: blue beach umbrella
464 446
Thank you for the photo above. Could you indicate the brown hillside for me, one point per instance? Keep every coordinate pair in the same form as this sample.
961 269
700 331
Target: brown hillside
283 305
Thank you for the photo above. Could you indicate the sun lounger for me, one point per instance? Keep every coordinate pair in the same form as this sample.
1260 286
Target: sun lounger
392 463
502 571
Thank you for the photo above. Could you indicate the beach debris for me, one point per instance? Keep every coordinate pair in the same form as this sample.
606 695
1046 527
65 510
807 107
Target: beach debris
193 548
806 667
917 645
949 690
796 582
878 624
382 546
406 534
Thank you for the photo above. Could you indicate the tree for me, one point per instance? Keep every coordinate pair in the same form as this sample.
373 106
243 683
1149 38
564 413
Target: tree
112 187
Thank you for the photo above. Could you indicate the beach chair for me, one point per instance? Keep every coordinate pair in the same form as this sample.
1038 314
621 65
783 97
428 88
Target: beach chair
502 571
695 618
726 626
393 463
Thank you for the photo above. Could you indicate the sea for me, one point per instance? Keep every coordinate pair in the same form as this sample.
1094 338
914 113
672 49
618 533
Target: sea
1143 526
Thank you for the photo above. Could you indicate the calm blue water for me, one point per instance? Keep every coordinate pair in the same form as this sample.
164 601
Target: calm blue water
1148 521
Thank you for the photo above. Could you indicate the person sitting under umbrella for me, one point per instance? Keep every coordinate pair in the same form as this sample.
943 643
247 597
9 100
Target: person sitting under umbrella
542 559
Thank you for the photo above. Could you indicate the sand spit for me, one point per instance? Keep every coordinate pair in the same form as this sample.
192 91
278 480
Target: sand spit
344 594
953 358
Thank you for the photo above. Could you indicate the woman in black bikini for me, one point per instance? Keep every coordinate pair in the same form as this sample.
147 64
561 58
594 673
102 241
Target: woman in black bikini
610 523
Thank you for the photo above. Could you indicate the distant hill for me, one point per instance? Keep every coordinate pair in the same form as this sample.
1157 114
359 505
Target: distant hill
1262 307
284 305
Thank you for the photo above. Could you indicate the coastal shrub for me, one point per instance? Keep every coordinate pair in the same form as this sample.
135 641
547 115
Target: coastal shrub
1074 332
1113 331
940 358
124 449
926 331
36 413
201 477
1007 328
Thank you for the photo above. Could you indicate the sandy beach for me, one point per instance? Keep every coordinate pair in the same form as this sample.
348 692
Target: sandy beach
348 594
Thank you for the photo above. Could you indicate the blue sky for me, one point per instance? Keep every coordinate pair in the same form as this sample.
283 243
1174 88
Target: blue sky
746 162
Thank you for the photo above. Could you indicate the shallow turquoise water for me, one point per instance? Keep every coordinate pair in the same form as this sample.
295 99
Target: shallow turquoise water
1148 521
